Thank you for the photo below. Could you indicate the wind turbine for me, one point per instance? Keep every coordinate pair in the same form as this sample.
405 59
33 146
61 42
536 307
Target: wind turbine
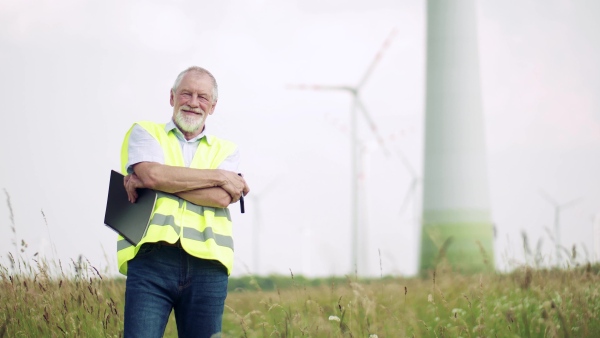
357 105
365 149
256 221
456 219
557 209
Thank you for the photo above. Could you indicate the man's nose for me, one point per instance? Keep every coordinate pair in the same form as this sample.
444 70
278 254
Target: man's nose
195 101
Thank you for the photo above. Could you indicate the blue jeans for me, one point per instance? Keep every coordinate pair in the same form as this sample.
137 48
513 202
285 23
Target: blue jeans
164 278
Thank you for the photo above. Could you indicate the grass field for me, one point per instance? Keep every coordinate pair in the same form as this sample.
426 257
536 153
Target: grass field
39 299
73 299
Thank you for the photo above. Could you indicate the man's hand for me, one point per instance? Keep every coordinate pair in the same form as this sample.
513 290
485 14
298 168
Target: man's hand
234 185
131 183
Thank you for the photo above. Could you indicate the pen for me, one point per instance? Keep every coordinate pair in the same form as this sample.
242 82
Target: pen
242 199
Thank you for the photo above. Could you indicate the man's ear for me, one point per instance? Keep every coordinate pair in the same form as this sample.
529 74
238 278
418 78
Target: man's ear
172 98
212 110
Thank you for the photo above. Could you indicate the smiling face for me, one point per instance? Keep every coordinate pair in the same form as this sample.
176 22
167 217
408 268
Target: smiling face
192 102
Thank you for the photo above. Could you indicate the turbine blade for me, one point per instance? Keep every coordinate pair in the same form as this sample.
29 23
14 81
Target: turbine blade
378 56
571 202
372 125
317 87
269 187
547 197
407 165
408 196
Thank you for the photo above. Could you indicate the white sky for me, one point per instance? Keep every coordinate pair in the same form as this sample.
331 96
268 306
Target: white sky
74 76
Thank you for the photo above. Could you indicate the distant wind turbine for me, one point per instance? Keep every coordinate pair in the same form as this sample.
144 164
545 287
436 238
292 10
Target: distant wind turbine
256 222
365 149
357 105
557 209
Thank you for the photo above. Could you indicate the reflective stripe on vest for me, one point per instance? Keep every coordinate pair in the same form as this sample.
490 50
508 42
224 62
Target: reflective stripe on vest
204 232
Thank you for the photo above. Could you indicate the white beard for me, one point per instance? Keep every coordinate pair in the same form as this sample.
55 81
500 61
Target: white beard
189 124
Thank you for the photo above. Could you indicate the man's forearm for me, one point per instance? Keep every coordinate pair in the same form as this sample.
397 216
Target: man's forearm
208 197
174 180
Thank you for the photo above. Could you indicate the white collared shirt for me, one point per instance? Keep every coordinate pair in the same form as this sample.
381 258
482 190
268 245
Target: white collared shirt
143 147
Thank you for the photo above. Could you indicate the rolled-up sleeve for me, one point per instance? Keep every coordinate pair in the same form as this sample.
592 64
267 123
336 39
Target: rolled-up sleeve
231 163
143 147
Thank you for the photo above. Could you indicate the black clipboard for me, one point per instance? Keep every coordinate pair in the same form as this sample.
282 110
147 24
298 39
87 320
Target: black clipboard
128 219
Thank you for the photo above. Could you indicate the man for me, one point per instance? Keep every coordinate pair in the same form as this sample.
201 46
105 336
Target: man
184 260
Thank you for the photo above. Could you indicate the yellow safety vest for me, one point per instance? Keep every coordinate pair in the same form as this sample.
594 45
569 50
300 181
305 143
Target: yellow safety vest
204 232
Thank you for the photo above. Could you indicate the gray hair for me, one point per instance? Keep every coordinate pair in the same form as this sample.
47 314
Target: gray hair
200 70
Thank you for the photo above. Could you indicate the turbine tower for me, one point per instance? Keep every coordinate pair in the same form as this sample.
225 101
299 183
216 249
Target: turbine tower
357 105
456 217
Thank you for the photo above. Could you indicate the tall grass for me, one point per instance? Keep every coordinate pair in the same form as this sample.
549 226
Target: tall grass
55 299
39 302
525 303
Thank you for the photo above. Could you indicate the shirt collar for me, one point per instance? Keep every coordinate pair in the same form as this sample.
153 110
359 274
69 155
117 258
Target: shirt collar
171 126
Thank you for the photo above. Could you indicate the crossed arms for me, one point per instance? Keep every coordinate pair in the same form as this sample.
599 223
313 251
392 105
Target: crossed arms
207 187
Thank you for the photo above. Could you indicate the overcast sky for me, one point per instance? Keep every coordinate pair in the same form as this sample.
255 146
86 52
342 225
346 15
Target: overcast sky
75 75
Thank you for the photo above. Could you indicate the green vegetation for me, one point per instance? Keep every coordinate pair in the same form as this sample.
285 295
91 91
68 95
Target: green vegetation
39 300
52 299
469 247
526 303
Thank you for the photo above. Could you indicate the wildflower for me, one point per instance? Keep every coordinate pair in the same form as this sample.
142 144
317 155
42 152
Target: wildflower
373 336
430 298
334 318
458 311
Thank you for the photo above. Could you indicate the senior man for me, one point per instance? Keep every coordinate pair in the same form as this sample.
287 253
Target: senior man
184 260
